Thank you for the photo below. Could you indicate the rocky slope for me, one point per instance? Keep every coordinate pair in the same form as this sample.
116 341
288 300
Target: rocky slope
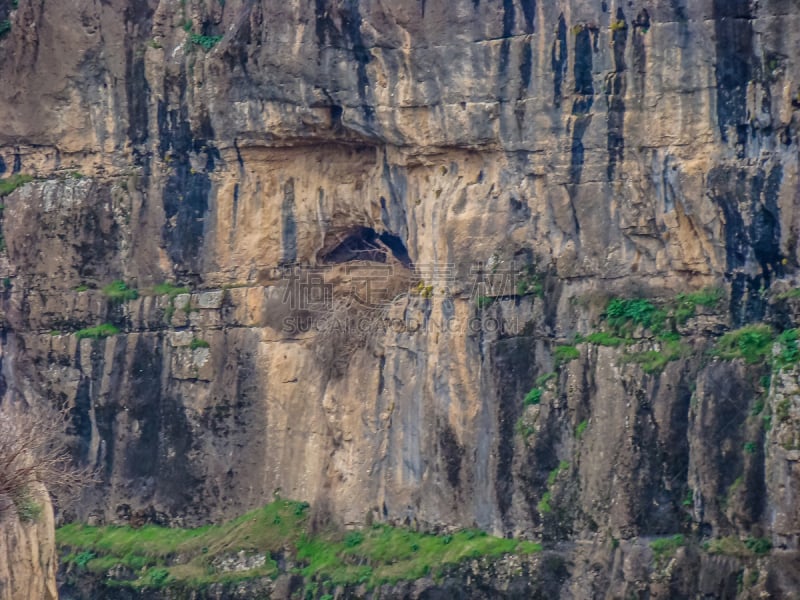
490 174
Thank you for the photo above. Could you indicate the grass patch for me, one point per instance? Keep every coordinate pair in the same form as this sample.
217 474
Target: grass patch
533 397
11 183
28 510
666 547
169 289
119 292
752 343
733 546
371 556
654 361
581 428
543 379
483 302
565 354
553 475
543 506
198 343
788 351
98 332
206 42
602 338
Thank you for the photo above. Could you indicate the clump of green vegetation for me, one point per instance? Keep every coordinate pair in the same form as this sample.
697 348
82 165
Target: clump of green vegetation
371 556
5 27
623 314
788 350
602 338
581 428
565 354
169 289
752 343
206 42
530 282
119 292
553 475
523 428
98 332
758 546
9 184
533 397
543 379
28 510
654 361
750 447
666 547
782 410
543 506
198 343
793 293
82 288
686 304
483 302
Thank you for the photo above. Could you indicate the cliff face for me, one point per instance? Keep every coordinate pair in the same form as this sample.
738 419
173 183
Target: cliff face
28 553
580 150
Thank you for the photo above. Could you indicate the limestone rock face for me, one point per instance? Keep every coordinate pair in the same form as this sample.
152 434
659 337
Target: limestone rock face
28 553
513 164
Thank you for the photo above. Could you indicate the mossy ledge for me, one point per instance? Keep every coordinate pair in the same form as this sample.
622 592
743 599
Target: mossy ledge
265 544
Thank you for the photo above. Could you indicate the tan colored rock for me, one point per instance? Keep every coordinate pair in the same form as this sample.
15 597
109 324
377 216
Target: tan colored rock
28 553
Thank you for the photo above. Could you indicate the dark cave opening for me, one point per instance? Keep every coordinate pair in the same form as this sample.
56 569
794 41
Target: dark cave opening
364 243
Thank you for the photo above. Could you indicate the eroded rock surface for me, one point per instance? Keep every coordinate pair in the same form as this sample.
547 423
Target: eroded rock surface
639 149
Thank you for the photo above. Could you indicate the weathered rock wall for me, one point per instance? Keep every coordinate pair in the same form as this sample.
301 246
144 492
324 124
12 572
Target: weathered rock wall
28 553
635 149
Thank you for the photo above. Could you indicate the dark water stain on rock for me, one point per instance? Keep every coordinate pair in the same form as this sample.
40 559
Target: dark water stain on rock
288 225
558 59
581 106
616 87
351 28
734 52
529 12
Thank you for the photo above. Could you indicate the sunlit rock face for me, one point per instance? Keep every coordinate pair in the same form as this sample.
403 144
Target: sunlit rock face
497 171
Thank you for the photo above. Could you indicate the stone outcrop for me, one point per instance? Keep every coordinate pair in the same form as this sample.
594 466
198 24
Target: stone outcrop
28 552
585 149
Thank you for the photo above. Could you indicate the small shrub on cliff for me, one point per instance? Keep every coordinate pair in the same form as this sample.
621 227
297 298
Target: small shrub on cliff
789 352
752 343
686 304
758 546
543 506
5 27
565 354
533 397
28 510
206 42
119 292
666 547
9 184
198 343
